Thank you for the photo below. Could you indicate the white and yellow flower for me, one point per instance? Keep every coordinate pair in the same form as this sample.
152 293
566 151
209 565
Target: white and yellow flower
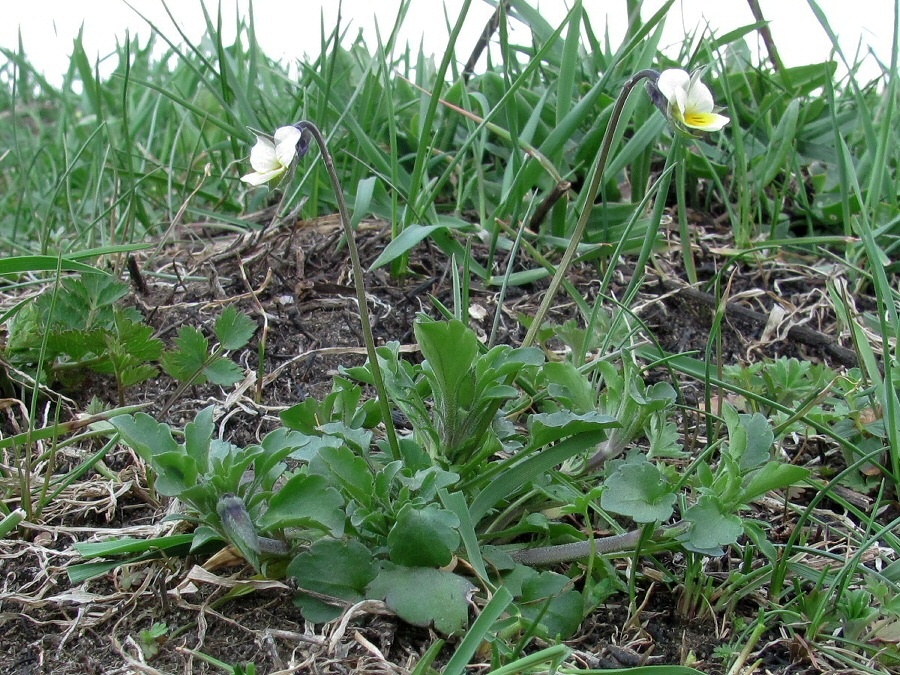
690 103
272 157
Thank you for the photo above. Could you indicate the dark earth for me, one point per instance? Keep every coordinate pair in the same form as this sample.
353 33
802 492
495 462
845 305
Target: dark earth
300 277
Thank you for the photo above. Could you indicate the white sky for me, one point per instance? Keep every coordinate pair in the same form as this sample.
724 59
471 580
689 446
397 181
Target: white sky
289 30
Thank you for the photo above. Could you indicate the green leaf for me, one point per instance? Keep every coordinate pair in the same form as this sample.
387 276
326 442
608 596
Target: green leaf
176 472
96 549
234 329
547 428
197 437
570 386
340 569
43 263
564 612
404 242
640 491
760 437
711 528
424 597
188 356
781 143
222 371
134 339
132 375
204 535
305 501
174 546
423 537
773 476
481 630
346 471
517 473
750 438
145 435
450 349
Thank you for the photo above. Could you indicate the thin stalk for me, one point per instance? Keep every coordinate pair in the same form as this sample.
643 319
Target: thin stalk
593 189
360 286
687 253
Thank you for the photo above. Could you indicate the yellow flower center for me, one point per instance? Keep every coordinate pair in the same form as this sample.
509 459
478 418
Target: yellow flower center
699 120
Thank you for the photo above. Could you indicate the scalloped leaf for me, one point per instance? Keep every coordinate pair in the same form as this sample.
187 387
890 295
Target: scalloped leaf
423 537
424 597
640 491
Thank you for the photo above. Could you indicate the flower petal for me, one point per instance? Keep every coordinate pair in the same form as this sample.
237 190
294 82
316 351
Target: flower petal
705 121
259 178
286 139
262 155
673 83
699 99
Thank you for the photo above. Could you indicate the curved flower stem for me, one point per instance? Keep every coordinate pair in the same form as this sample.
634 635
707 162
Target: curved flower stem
593 189
359 283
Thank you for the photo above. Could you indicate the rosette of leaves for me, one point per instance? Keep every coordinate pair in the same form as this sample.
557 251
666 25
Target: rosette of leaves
246 497
641 410
453 397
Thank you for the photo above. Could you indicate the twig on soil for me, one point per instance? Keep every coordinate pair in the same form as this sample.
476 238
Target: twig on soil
804 334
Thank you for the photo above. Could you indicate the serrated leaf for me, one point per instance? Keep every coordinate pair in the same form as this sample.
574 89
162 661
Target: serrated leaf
340 569
423 537
187 358
424 597
132 375
134 339
639 491
306 501
78 344
234 329
222 371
